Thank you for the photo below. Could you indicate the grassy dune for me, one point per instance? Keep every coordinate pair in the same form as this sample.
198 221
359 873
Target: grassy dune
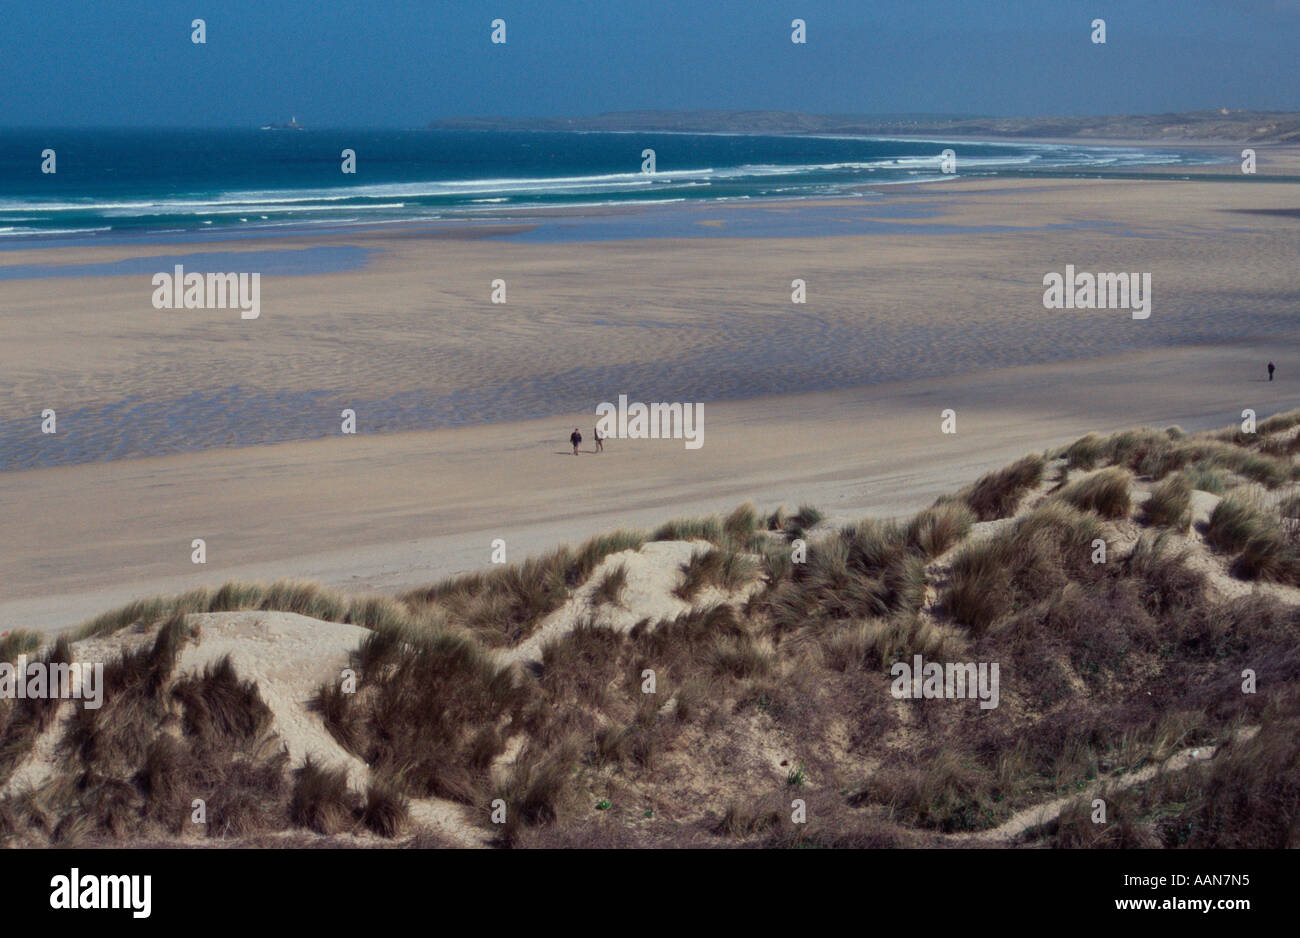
716 726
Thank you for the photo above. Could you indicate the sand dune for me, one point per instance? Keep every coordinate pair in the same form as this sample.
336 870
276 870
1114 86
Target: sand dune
1165 671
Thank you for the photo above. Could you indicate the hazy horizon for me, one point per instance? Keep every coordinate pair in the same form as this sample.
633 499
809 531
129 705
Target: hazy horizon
543 119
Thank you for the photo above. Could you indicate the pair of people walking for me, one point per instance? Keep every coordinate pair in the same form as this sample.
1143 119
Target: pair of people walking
576 438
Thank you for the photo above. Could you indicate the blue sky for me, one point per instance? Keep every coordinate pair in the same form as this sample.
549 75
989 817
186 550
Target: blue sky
402 63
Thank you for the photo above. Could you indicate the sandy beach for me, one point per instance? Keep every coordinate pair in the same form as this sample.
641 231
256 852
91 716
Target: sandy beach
635 428
862 428
933 301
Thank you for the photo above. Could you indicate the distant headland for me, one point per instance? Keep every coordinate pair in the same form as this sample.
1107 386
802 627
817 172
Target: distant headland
1222 124
290 124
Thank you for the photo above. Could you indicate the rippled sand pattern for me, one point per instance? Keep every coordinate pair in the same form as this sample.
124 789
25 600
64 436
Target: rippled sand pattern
412 342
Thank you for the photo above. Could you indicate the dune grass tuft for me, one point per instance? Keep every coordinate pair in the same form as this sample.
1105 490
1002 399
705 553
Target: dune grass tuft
386 811
1235 521
724 569
1106 493
18 642
998 494
610 587
1028 561
504 606
427 712
322 800
1170 504
939 527
1085 452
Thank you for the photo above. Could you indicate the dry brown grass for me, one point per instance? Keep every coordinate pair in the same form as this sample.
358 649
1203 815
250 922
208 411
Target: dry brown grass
610 587
1170 504
724 569
1246 797
504 606
940 527
22 720
1034 558
867 569
428 712
1156 453
1267 545
136 767
998 494
1106 493
1105 667
322 800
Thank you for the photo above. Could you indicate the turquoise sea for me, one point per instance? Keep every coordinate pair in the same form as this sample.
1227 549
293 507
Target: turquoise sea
181 184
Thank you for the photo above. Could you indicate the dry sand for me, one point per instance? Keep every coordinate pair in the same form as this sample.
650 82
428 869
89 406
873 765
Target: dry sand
390 512
652 572
589 320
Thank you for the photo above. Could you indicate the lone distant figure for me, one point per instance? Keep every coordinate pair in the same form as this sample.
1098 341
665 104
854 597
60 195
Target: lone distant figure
1270 371
575 438
600 441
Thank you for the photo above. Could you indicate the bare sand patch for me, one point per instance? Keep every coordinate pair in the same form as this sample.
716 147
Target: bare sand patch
653 572
289 657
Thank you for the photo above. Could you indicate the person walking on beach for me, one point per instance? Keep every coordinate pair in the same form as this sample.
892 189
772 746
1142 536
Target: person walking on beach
575 438
600 443
1270 371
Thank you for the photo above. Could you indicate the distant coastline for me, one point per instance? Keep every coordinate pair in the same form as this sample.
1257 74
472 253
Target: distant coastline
1217 125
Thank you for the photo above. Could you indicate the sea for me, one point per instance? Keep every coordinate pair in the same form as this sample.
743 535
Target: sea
159 185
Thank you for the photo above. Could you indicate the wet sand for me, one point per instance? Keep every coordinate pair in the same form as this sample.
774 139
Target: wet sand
835 403
951 283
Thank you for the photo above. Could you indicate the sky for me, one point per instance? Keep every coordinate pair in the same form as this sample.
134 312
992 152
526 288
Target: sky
403 63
